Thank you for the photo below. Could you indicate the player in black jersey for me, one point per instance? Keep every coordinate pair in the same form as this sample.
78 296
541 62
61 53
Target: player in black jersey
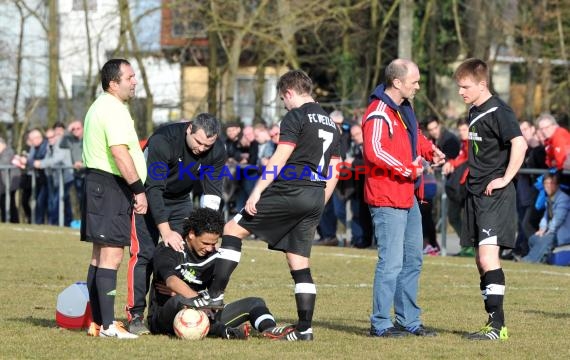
496 152
178 156
181 279
286 204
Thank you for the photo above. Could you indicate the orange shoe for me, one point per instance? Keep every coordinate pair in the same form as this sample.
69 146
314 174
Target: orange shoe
93 329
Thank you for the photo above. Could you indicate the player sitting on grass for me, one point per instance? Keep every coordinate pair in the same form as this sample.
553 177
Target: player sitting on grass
181 278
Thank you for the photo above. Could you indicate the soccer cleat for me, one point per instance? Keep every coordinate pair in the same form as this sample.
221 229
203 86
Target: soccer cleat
488 332
217 304
237 333
277 332
137 326
297 335
419 330
93 329
389 332
117 330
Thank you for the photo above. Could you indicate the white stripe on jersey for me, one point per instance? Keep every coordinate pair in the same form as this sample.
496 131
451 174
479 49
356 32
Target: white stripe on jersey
209 259
483 114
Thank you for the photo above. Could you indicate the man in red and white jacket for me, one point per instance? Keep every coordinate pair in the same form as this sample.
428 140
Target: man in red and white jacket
394 153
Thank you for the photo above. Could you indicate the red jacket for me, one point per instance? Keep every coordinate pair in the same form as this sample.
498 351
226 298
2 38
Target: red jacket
390 180
463 154
557 148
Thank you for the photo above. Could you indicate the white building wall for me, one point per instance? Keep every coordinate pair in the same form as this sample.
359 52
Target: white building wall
34 60
104 25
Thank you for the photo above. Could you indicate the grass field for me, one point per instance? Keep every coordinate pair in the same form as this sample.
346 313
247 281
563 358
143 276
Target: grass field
37 263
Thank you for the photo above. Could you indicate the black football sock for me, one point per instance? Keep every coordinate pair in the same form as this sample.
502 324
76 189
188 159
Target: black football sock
305 297
494 282
226 263
483 292
106 282
93 295
261 318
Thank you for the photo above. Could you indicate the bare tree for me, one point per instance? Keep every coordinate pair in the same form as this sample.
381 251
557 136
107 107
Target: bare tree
53 61
405 29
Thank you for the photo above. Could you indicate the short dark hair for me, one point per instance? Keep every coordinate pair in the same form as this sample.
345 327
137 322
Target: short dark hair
296 80
475 68
461 121
204 220
111 71
429 119
208 123
58 124
555 176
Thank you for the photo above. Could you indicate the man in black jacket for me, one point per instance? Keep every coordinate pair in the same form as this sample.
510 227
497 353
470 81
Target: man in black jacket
178 155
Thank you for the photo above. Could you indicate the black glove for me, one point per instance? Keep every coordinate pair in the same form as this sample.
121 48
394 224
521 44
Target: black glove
196 302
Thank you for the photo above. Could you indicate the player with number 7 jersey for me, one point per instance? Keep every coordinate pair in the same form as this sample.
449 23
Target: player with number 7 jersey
286 204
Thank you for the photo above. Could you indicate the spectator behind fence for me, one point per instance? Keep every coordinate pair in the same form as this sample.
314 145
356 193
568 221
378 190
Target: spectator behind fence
442 138
56 158
74 142
231 186
266 146
557 141
557 145
248 152
554 227
335 210
450 146
528 216
456 172
38 150
59 129
6 156
361 221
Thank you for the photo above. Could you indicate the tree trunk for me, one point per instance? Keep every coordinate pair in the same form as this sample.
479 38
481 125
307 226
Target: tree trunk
213 73
149 100
405 29
545 85
288 34
16 130
259 88
53 59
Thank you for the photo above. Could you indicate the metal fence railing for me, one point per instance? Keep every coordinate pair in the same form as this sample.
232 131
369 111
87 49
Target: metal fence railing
6 172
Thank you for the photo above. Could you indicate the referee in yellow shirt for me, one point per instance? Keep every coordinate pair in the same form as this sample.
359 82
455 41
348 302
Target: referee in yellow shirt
116 171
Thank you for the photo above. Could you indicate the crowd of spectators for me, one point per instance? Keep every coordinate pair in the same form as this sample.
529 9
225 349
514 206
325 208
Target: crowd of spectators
42 176
50 170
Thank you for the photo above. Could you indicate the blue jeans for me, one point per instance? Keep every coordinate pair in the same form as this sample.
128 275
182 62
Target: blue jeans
539 248
398 233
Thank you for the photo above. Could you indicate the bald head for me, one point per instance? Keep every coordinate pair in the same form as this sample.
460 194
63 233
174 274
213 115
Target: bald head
398 69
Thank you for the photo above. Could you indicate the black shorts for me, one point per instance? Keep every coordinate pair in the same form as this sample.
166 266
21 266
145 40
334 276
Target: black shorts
287 217
107 209
490 220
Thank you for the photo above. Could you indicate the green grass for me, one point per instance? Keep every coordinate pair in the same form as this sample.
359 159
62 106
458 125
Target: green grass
38 262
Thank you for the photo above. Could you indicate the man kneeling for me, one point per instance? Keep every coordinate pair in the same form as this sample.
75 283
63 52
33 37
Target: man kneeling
181 280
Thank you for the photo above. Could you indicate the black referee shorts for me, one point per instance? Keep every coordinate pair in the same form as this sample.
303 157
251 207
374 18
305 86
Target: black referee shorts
107 209
490 220
287 217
